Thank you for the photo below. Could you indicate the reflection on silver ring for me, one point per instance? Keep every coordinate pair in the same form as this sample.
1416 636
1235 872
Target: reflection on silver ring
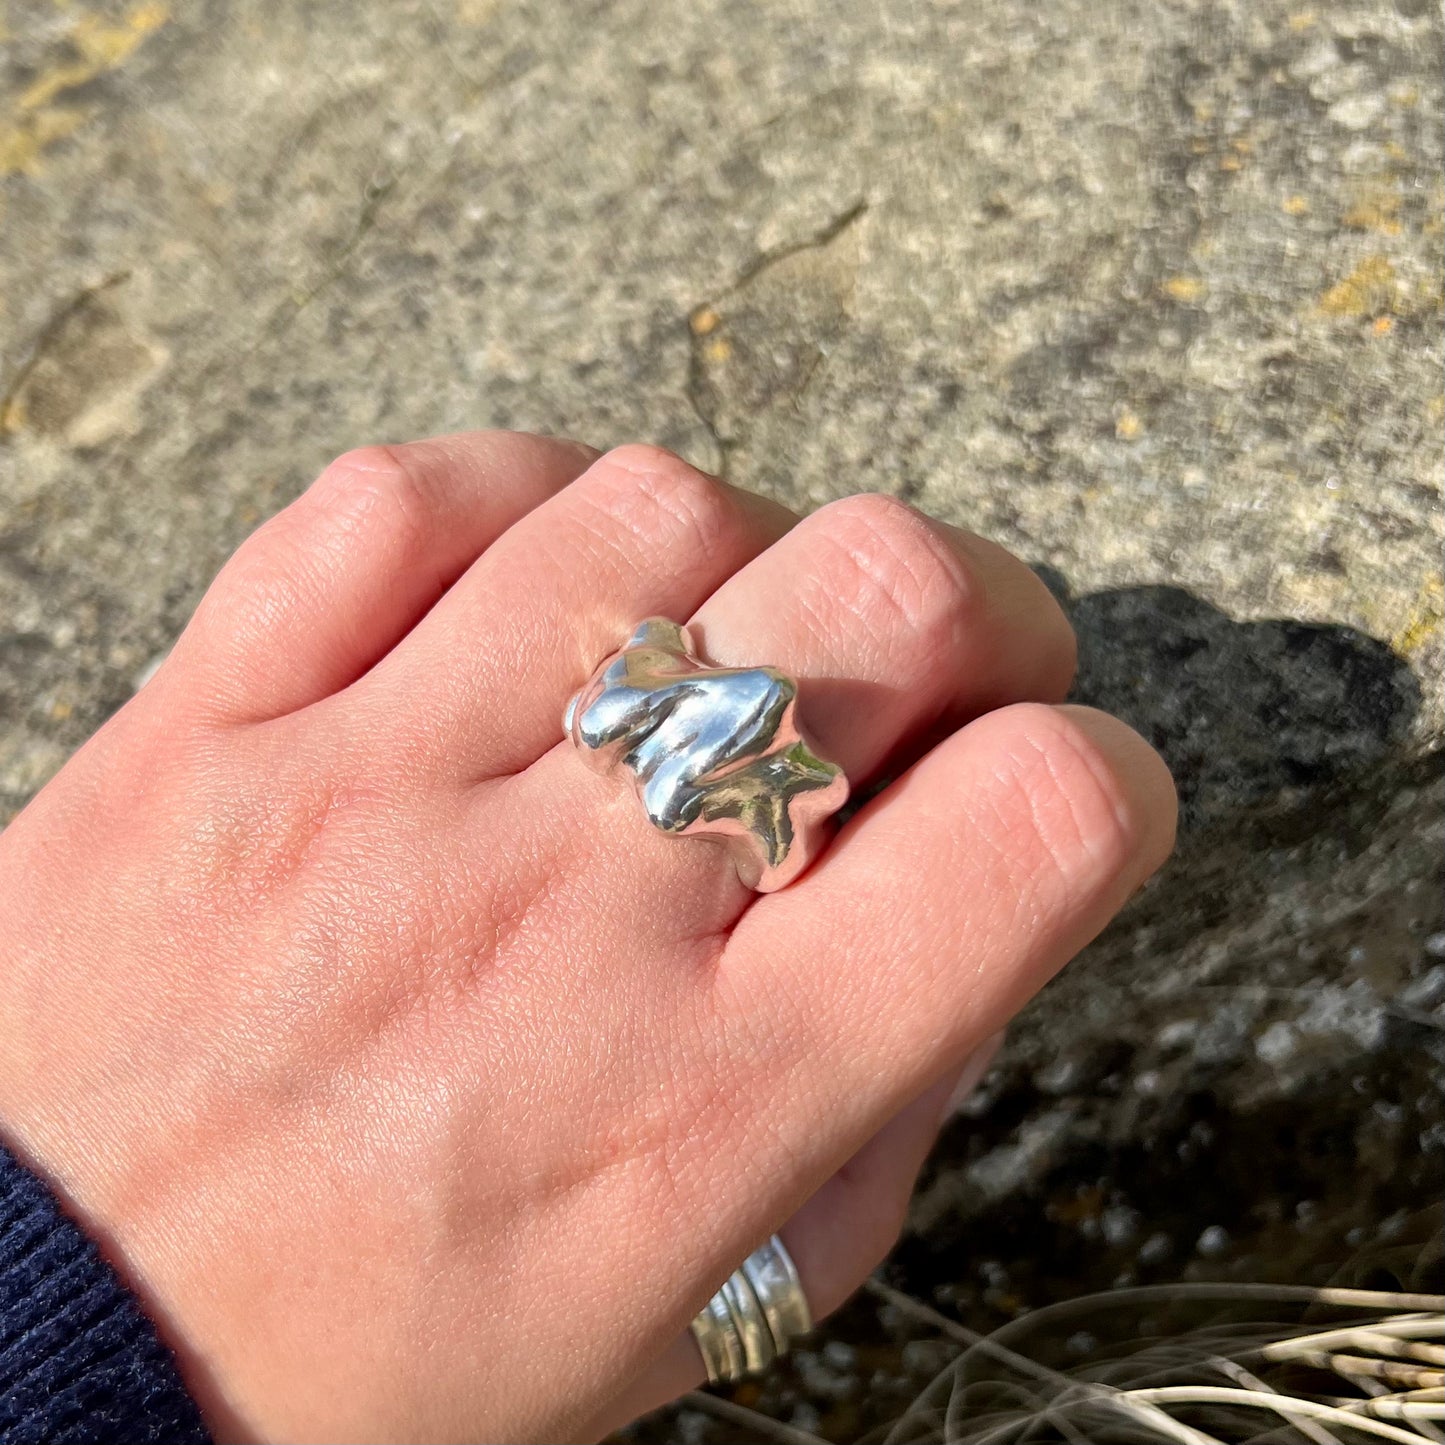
774 1278
754 1317
710 750
751 1323
717 1340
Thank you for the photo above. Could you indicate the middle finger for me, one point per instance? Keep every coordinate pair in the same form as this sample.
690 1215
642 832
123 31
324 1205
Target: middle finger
896 627
480 684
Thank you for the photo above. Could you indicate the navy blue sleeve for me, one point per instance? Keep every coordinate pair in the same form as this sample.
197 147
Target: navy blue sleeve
79 1360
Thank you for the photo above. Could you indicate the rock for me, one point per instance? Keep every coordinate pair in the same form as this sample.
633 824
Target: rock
1213 1242
1358 112
1149 293
1120 1225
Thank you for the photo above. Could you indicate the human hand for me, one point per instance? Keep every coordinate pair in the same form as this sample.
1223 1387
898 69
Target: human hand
419 1086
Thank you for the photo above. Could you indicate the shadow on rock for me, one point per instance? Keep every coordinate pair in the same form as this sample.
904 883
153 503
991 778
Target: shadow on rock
1243 712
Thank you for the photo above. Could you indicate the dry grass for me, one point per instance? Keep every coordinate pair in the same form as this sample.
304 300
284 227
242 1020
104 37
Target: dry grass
1369 1366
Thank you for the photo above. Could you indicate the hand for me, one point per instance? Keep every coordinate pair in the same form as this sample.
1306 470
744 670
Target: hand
419 1086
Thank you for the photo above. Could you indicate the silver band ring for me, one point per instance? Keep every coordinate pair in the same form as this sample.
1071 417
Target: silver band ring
718 1341
774 1278
753 1318
712 750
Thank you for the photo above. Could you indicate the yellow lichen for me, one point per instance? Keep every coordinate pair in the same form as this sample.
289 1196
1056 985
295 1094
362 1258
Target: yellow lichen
1369 290
1383 325
1185 289
1302 20
1295 206
1127 426
21 143
1376 210
1425 619
35 123
704 320
718 350
50 83
106 46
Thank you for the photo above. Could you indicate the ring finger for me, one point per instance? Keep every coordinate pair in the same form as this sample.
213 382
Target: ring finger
897 627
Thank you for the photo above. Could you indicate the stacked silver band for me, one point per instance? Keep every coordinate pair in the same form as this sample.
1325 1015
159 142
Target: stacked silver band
754 1318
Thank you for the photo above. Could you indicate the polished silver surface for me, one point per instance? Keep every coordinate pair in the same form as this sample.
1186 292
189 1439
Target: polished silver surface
712 750
759 1349
718 1341
774 1278
754 1318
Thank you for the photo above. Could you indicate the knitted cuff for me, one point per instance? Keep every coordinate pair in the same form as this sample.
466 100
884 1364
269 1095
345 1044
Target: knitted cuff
79 1361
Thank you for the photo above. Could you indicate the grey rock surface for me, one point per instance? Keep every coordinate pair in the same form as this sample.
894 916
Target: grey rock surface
1148 291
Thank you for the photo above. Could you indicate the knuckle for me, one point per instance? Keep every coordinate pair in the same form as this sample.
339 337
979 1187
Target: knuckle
367 497
892 569
375 484
259 584
660 498
1081 813
644 459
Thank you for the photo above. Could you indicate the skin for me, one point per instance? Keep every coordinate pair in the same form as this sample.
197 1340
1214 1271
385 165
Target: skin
419 1087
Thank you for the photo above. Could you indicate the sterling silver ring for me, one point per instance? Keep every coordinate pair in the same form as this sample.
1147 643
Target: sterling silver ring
754 1318
714 750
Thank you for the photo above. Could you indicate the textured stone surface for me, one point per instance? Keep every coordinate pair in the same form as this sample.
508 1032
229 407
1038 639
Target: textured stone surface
1149 292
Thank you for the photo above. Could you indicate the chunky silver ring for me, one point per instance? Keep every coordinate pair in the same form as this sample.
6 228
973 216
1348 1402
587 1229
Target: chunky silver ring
713 750
754 1318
